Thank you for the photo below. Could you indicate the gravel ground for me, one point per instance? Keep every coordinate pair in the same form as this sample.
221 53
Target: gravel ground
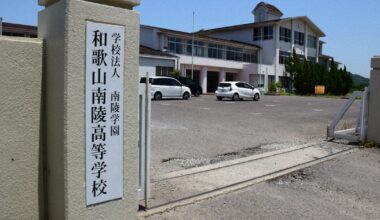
345 188
202 130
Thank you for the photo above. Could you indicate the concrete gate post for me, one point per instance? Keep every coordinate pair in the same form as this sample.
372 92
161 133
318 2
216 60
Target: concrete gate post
91 104
203 79
374 102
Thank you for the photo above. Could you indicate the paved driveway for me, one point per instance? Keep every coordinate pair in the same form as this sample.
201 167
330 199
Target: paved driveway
203 130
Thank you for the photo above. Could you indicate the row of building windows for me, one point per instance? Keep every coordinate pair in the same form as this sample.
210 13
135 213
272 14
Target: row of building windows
164 71
299 38
285 56
263 33
266 33
13 34
217 51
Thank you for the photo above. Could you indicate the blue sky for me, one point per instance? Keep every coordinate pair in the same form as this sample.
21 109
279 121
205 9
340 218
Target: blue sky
352 26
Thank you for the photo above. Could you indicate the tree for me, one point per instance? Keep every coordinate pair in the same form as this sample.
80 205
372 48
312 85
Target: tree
304 76
294 68
333 79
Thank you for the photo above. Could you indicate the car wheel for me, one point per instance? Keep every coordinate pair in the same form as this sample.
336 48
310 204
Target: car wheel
186 96
256 97
219 98
157 96
235 97
197 93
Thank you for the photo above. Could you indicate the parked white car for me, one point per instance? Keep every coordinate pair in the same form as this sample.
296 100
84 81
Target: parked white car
237 91
167 88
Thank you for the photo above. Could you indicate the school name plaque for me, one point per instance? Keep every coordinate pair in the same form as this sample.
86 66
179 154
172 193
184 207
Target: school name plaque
104 112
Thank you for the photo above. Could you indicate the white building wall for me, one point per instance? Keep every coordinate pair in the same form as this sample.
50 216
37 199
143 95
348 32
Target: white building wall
149 64
204 61
150 37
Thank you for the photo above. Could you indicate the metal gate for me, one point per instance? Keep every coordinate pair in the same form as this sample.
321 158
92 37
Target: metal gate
359 132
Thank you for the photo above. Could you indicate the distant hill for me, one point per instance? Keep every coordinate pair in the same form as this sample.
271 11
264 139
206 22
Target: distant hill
360 80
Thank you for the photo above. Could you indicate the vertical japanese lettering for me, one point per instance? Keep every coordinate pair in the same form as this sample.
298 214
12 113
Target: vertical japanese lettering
104 112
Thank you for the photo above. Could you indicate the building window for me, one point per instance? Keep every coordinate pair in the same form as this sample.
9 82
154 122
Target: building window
257 35
285 34
238 54
312 59
199 49
268 32
284 57
14 34
175 45
250 56
299 38
164 70
203 49
312 42
189 47
263 33
215 51
234 53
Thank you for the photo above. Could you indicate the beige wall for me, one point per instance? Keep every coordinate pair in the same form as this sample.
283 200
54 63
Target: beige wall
374 102
63 26
20 89
118 3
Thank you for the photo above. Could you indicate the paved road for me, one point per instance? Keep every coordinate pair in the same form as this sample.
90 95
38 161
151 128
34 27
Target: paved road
203 130
342 189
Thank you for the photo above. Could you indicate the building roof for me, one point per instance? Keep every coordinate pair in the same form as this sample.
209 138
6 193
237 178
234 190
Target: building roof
201 36
144 50
19 29
264 23
239 27
273 9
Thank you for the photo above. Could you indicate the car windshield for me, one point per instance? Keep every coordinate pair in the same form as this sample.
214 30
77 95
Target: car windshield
224 85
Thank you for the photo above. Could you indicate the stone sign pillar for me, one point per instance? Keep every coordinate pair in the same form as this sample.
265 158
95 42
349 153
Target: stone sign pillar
374 102
91 98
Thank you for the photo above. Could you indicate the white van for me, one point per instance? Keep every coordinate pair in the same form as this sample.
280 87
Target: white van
167 88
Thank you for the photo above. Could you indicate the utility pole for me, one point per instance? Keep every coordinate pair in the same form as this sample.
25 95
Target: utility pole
1 26
192 48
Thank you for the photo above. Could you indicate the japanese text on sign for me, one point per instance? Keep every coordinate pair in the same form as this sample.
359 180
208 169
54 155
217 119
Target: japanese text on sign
104 112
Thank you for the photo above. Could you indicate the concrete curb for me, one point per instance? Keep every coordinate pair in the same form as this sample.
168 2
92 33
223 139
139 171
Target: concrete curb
220 165
238 186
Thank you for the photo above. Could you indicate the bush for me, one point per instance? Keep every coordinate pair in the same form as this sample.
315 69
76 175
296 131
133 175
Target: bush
176 73
273 88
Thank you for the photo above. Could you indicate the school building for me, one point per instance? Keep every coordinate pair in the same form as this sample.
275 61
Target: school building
255 52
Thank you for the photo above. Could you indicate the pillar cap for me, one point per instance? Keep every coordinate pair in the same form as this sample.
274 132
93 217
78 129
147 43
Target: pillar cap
117 3
375 62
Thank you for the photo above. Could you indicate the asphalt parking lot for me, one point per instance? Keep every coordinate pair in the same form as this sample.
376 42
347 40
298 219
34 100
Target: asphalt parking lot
203 130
